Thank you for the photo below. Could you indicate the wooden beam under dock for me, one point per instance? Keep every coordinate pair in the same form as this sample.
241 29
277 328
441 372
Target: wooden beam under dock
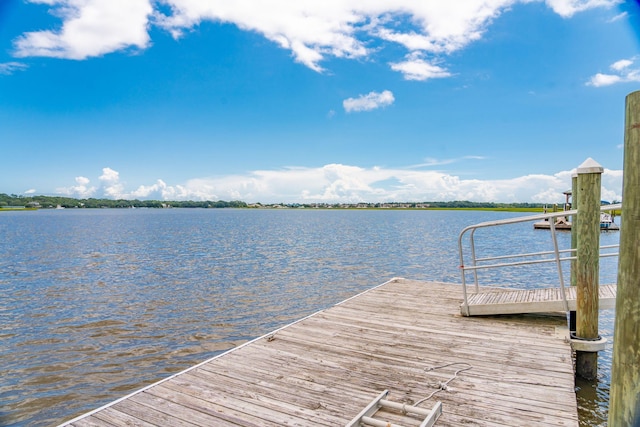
324 369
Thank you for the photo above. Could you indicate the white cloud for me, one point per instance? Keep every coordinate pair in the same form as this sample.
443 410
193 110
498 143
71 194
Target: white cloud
90 28
568 8
611 185
81 189
30 191
111 185
623 15
370 101
9 68
161 191
621 65
109 176
315 30
416 68
411 40
428 162
623 72
604 80
312 30
338 183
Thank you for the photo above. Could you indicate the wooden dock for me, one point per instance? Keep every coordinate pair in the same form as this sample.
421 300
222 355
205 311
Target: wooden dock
404 336
520 301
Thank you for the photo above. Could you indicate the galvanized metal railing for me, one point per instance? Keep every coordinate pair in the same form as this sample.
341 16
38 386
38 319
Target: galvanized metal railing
557 255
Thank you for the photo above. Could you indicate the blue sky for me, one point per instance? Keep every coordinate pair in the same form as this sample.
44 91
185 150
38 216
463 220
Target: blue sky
309 101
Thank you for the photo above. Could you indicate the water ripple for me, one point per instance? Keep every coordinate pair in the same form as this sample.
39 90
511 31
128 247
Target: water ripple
98 303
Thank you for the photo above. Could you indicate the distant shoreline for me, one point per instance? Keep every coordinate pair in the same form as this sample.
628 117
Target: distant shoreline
16 202
16 208
270 207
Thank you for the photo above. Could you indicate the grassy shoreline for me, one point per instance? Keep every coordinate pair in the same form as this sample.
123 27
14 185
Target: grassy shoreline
496 209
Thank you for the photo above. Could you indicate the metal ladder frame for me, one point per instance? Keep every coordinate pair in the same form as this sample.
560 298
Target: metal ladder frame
364 417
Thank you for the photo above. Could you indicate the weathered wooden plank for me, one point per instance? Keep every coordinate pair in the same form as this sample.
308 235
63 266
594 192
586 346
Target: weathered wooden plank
202 394
357 316
221 414
314 395
304 404
304 344
533 300
431 380
117 418
148 413
390 352
182 414
326 368
526 400
342 324
92 422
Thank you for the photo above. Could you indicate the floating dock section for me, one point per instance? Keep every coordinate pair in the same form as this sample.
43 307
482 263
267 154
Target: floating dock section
404 336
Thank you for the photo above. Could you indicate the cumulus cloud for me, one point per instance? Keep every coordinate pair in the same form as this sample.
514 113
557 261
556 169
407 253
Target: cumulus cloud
621 65
161 191
339 183
600 79
612 185
623 71
368 102
311 30
568 8
416 68
81 189
90 28
111 185
9 68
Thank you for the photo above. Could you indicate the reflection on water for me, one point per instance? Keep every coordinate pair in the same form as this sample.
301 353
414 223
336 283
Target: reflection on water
593 396
98 303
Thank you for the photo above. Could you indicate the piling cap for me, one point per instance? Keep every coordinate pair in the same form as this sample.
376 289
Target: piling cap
590 166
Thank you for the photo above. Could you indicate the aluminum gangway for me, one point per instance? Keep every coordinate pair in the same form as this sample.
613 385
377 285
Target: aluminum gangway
522 301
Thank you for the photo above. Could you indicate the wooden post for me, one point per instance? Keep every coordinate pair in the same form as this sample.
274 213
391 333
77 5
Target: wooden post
574 243
574 225
587 264
624 404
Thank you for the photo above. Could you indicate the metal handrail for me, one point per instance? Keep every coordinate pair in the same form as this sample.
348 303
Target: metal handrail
556 252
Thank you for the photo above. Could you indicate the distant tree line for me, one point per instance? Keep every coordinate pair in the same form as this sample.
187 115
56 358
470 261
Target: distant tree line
68 202
457 204
14 200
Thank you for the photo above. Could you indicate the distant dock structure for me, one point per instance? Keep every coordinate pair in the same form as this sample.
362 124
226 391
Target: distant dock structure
563 222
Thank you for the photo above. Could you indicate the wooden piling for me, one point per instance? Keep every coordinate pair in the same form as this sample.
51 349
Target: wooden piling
587 264
574 233
574 243
624 403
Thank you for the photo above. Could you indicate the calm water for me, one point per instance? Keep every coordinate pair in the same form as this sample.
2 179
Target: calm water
98 303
